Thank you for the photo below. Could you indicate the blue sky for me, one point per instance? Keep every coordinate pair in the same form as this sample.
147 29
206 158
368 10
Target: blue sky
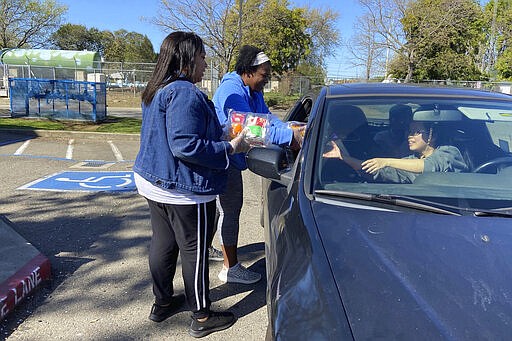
116 14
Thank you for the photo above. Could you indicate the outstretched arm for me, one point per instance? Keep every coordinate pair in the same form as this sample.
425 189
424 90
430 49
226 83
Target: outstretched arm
337 153
371 166
411 165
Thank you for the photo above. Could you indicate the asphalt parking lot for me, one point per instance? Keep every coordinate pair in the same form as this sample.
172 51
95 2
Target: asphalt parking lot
97 242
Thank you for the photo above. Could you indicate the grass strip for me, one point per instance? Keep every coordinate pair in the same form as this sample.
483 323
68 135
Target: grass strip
112 124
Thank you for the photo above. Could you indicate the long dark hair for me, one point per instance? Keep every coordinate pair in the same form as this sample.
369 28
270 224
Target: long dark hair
245 59
176 59
436 134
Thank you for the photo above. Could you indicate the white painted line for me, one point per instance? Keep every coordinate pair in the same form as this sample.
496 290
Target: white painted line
69 151
115 150
22 148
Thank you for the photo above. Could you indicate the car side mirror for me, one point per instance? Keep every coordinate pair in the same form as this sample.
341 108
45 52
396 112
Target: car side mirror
268 162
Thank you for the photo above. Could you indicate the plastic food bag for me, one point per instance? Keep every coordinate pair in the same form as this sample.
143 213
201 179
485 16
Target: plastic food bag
297 125
257 126
234 124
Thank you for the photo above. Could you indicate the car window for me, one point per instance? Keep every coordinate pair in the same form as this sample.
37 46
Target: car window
461 146
301 110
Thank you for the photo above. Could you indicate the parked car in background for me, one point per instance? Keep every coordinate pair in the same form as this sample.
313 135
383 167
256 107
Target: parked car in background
353 256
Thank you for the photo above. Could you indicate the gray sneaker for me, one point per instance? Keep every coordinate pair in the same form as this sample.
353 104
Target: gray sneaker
215 255
238 274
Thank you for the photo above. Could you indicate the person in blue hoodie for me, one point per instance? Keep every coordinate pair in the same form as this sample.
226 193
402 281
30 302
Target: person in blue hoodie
180 168
242 90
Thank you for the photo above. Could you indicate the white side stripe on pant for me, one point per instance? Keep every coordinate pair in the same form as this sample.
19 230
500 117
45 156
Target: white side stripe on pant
220 221
200 249
205 255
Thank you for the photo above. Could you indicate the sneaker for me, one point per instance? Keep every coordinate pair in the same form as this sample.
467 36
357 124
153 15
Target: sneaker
160 313
238 274
215 254
215 322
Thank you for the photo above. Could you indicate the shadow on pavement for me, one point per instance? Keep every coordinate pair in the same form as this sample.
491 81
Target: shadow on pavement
8 137
256 298
91 233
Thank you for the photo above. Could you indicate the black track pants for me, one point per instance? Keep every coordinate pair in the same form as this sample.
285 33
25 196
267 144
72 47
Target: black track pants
188 230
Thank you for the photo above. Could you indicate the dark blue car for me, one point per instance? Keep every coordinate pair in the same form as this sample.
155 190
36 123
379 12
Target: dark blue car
361 245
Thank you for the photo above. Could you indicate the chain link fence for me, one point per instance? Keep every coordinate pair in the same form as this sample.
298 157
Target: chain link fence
133 77
127 77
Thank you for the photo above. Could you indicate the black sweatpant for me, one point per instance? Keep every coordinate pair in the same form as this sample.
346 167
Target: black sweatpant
187 229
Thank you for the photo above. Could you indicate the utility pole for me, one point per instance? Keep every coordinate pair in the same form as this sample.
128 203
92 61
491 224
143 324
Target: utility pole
240 14
212 90
494 39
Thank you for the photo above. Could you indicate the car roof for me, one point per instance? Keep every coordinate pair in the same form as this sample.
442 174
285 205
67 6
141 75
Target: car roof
386 89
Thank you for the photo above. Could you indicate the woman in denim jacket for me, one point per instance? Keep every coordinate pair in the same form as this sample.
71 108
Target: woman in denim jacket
180 168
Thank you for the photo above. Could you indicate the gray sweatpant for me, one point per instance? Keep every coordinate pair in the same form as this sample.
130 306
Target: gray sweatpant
229 206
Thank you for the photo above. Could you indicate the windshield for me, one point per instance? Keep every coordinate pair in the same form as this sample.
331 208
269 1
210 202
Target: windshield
451 151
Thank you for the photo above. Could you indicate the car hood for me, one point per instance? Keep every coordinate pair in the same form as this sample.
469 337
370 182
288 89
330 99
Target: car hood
401 275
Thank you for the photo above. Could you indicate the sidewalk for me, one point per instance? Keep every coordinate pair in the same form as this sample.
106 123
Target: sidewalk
22 268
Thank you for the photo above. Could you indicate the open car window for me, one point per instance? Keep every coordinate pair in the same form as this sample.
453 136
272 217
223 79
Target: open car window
471 162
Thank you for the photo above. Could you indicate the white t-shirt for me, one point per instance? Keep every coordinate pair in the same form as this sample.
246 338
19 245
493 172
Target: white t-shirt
168 196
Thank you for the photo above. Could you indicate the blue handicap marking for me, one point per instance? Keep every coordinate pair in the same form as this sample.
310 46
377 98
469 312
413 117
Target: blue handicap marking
84 181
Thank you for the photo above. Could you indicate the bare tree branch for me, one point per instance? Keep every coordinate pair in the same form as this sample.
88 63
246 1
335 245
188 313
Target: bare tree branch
28 23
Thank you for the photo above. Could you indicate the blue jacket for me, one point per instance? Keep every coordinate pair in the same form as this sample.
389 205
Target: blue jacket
180 141
234 94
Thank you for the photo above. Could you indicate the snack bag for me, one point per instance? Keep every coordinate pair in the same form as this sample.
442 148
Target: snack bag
234 124
256 126
297 125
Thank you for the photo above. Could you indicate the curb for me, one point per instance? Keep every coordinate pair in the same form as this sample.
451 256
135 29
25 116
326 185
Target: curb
25 279
73 134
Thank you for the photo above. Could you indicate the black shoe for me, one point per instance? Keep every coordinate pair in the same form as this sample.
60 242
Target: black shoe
160 313
215 322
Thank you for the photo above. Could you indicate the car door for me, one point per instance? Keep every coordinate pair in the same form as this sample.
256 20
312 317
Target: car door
273 190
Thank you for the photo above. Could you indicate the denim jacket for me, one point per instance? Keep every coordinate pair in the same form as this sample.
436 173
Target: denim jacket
180 142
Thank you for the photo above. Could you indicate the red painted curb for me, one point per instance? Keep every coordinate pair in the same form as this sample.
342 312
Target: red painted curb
23 282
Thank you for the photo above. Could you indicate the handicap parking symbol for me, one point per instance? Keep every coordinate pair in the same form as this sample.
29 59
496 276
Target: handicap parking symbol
84 181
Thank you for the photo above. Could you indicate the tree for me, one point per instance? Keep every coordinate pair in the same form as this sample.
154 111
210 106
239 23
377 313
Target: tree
124 46
28 23
315 73
428 38
443 39
325 38
286 35
78 37
381 23
498 53
365 48
118 46
281 33
210 19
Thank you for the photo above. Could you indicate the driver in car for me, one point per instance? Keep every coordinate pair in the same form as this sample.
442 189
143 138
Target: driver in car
429 155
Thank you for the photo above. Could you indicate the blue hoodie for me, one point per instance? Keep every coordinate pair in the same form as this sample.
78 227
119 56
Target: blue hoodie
234 94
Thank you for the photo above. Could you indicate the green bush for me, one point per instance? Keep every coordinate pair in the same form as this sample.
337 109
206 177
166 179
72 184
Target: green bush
276 99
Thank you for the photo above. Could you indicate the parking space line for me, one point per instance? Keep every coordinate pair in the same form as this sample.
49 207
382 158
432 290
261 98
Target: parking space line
22 148
69 151
116 151
5 143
